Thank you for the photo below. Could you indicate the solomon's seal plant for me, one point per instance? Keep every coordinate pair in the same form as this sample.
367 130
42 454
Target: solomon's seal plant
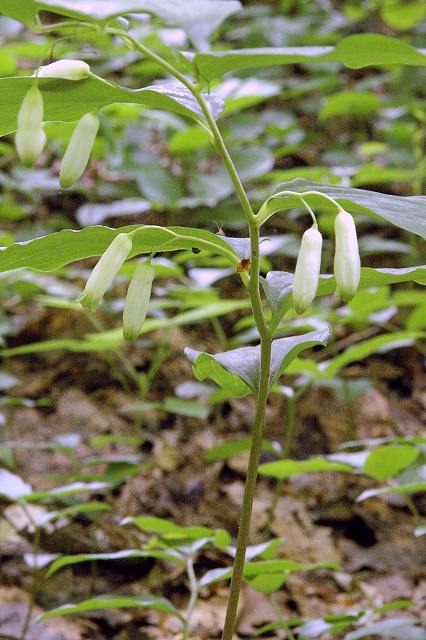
249 370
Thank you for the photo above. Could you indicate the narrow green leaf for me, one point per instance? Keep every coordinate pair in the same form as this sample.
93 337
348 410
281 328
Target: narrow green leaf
233 448
58 249
404 489
355 51
282 469
109 601
66 561
379 344
405 628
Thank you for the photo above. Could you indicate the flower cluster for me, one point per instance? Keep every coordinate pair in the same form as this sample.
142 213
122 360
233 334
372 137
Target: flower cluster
139 291
347 263
30 137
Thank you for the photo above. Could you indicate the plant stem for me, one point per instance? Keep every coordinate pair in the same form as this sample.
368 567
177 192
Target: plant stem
249 490
193 587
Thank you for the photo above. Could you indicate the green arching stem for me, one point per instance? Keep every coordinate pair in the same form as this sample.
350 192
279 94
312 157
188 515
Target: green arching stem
254 223
311 213
263 215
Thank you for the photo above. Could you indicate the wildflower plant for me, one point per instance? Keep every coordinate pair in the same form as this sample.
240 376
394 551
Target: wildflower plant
251 370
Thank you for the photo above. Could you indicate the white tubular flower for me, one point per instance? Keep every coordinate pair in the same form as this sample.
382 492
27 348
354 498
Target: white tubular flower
65 69
78 151
137 300
347 263
307 271
30 137
105 271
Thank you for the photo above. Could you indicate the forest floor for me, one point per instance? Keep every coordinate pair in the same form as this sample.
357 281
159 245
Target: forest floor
73 399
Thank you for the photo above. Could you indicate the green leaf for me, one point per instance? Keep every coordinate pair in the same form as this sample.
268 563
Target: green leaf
278 284
65 561
268 583
198 18
187 408
238 370
66 101
387 461
282 469
67 490
355 51
405 628
264 567
356 104
109 601
233 448
177 535
404 489
379 344
405 212
58 249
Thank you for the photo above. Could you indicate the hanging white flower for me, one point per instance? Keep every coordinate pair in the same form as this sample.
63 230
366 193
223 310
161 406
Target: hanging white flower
66 69
78 151
137 300
105 271
30 137
306 276
347 263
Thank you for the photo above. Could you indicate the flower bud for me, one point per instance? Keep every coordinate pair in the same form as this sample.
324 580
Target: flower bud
347 263
30 137
105 271
78 151
137 300
65 69
307 271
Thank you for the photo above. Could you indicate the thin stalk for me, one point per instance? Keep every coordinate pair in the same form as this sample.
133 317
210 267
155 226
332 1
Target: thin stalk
152 56
249 490
193 587
221 146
